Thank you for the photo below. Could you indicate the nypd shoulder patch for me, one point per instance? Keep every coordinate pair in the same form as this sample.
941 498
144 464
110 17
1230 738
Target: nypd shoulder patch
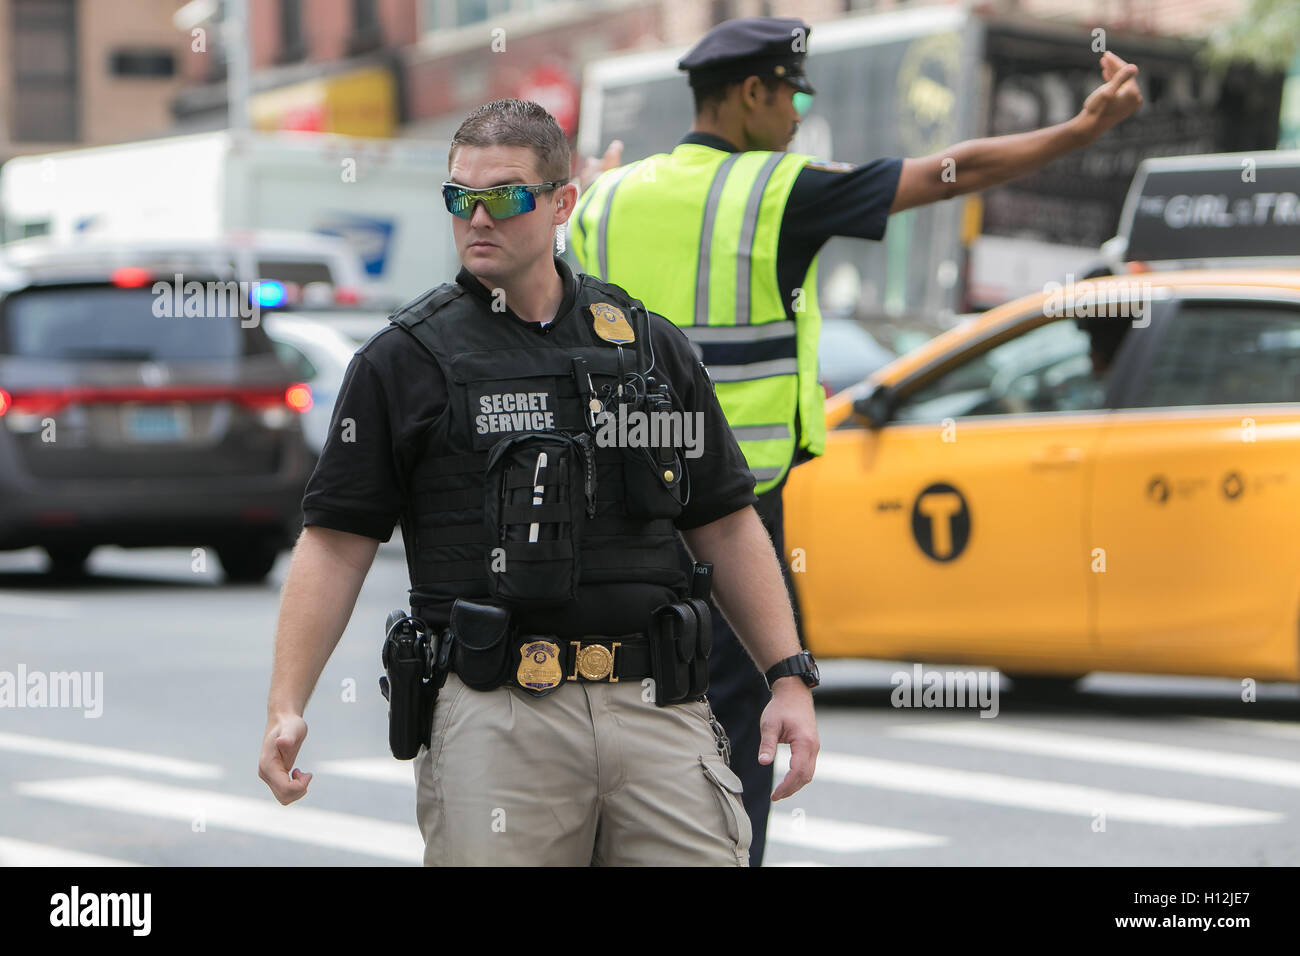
831 167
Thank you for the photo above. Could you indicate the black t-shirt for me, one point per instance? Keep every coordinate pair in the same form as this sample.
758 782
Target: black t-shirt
393 392
828 199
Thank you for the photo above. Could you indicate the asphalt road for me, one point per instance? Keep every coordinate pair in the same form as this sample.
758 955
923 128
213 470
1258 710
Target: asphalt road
1129 770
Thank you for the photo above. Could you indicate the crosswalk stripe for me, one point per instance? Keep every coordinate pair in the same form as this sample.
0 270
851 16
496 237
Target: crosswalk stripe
375 769
22 853
1027 793
984 788
838 836
112 756
767 865
1130 753
1263 728
811 832
16 606
265 817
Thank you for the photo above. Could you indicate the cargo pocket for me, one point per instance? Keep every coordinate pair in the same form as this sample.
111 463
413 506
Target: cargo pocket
728 787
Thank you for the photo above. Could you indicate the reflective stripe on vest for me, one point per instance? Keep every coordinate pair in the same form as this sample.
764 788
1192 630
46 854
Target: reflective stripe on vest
694 235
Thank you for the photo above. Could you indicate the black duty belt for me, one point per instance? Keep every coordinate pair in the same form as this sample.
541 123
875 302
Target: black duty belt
592 657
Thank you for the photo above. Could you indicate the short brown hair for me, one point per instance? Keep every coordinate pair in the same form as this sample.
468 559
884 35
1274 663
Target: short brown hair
517 123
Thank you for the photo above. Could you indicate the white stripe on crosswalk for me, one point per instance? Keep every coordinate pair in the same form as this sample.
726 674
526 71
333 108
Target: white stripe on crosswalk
1026 793
327 828
22 853
1263 728
16 606
795 863
811 832
837 836
376 769
1129 753
113 757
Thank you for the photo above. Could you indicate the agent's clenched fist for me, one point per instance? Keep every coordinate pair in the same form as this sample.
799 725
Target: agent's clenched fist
284 737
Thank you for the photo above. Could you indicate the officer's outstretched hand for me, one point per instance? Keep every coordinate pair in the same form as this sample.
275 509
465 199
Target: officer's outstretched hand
280 746
1115 100
593 167
789 719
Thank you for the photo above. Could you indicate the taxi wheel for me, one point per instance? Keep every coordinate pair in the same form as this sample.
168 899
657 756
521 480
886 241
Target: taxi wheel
248 562
68 561
1043 686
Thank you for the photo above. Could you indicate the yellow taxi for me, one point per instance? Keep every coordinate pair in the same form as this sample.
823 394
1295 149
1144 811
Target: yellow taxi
1101 476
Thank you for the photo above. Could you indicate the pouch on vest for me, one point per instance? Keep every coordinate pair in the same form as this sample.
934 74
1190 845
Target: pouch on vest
480 651
540 487
681 636
652 472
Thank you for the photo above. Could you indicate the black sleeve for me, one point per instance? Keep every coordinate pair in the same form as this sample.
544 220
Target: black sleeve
355 486
720 480
837 199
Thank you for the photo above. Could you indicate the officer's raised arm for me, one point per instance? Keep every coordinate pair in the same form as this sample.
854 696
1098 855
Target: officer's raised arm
980 163
749 590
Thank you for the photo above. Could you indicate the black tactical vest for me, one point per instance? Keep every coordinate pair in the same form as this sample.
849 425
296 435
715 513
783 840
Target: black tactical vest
505 379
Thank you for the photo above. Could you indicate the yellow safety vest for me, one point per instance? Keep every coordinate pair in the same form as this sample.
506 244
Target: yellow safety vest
693 234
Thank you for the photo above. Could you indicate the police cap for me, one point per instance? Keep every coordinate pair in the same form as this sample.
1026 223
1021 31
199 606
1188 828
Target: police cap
751 46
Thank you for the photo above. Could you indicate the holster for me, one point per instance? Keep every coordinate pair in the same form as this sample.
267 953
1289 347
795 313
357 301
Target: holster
410 684
681 636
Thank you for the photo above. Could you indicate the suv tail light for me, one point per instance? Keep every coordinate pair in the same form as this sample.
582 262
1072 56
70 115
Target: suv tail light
298 397
130 277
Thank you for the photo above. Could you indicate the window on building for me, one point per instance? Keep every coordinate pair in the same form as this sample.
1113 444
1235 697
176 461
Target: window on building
146 63
293 46
367 32
448 14
44 57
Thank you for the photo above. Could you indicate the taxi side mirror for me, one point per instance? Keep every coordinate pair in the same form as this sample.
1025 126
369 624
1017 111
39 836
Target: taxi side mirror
876 407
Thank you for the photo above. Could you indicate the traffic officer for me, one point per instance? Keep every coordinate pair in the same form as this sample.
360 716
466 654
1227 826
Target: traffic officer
471 419
737 223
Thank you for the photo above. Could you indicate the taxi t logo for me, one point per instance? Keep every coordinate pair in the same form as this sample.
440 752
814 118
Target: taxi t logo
941 522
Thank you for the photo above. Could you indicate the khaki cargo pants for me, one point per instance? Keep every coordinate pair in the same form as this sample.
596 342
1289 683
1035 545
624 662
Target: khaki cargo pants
591 774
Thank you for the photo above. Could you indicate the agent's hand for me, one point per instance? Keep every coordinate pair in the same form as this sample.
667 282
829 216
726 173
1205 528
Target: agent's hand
789 719
284 737
593 167
1115 100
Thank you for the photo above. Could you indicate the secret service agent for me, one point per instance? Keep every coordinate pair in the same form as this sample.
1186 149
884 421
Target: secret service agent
570 726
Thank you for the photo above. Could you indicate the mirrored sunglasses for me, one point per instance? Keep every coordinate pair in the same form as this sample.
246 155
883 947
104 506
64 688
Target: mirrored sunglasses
501 202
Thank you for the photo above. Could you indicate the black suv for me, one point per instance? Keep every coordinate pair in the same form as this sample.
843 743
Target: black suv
123 423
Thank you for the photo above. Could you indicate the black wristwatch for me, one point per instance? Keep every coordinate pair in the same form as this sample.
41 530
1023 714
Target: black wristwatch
801 665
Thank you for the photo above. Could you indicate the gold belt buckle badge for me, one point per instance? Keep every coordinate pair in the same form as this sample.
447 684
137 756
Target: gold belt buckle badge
594 661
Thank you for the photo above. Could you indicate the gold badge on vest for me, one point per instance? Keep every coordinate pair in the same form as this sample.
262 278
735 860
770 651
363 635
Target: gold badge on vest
539 667
611 325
